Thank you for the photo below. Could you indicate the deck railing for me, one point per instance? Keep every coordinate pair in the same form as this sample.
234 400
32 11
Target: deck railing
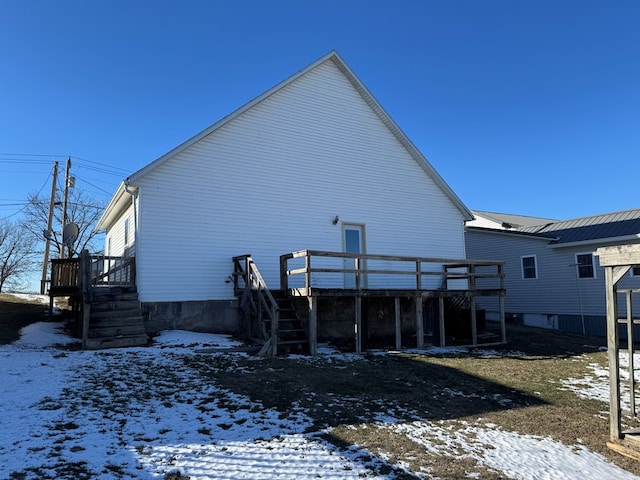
69 274
358 269
257 297
74 277
317 273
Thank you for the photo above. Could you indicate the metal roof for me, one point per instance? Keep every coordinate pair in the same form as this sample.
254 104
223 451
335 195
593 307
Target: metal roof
508 220
625 223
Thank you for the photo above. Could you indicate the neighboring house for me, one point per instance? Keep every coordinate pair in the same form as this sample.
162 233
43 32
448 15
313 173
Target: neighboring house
313 163
552 276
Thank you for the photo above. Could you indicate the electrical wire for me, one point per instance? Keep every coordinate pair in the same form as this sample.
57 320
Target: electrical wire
27 203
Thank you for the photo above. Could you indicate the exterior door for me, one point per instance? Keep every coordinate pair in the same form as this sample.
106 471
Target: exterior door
353 242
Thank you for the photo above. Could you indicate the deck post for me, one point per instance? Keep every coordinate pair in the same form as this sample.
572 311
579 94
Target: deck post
398 324
632 380
474 320
503 325
85 288
419 322
441 319
615 425
471 269
313 325
307 272
284 278
358 324
275 316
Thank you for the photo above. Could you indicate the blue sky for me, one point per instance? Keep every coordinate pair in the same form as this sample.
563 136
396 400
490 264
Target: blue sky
527 107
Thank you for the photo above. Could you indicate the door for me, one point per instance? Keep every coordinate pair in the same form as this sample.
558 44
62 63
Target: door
353 242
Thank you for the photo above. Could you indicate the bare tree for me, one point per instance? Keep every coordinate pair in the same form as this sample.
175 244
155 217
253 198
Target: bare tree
16 254
82 210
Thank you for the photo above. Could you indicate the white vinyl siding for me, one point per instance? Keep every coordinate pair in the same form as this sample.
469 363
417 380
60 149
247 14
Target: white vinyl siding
115 240
272 180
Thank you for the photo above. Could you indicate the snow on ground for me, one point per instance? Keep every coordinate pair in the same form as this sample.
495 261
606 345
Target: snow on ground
596 385
66 411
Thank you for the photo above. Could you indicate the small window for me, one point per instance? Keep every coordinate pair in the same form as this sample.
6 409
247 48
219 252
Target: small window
584 264
109 247
529 267
635 272
126 232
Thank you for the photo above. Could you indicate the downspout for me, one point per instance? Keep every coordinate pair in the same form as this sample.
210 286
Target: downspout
134 198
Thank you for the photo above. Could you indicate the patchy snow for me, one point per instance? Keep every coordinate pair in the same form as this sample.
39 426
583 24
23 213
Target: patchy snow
595 386
65 412
525 457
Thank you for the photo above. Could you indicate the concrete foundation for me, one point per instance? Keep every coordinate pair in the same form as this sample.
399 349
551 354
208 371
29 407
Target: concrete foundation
208 316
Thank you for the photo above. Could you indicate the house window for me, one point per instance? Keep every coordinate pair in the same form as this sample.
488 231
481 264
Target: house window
126 232
635 272
109 247
529 267
584 264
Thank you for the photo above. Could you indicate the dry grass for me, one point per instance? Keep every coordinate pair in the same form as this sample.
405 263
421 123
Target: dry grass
518 389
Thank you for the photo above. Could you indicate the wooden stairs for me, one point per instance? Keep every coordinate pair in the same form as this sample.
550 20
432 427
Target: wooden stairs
292 338
115 319
266 310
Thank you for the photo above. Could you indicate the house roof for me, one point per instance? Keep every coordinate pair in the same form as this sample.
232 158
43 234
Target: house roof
119 199
615 225
609 227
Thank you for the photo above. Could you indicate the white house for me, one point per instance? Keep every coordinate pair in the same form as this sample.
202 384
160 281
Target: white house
552 276
313 163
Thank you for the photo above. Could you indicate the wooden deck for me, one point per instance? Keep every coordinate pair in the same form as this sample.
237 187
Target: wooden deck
103 297
313 275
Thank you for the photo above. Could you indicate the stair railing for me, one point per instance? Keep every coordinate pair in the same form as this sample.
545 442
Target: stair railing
246 269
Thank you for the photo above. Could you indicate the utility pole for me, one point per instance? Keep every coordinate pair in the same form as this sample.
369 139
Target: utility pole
64 204
47 233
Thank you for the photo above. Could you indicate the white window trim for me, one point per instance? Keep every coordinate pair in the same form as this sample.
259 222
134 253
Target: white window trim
535 266
593 266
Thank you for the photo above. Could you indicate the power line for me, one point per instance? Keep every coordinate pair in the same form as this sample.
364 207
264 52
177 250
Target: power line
25 158
25 205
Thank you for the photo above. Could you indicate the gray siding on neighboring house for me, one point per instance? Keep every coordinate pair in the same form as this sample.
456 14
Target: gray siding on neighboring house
557 294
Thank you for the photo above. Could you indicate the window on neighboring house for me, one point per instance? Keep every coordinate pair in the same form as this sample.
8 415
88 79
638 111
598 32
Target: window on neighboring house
529 267
126 232
584 264
635 272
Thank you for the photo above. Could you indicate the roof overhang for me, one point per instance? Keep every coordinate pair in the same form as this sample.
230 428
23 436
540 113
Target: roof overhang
512 233
600 242
119 202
